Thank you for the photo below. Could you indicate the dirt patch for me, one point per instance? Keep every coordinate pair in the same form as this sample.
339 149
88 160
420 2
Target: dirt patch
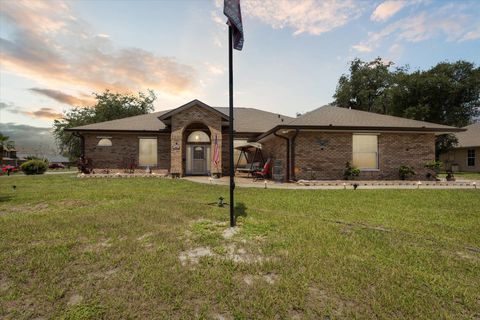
240 255
4 285
145 236
230 232
26 208
73 203
222 317
467 256
269 278
193 256
104 243
74 300
296 314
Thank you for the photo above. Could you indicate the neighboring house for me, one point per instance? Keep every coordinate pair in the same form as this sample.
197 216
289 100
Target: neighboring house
9 156
315 145
465 156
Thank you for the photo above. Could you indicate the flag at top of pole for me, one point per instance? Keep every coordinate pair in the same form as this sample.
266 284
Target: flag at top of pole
232 10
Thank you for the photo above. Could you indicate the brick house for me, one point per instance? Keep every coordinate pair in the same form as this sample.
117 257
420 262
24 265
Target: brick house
315 145
464 157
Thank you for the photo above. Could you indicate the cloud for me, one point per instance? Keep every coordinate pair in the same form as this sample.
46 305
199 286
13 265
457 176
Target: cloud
48 43
30 139
215 69
62 97
362 48
46 113
453 22
387 9
304 16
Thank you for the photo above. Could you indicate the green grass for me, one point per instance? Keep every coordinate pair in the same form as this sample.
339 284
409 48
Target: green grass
118 249
464 175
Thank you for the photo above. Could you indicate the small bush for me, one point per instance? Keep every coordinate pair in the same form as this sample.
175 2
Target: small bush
405 171
350 171
34 167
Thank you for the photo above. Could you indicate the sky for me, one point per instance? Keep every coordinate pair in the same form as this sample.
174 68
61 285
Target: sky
54 54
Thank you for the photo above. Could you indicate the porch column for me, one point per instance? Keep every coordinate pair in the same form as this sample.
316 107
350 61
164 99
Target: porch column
176 151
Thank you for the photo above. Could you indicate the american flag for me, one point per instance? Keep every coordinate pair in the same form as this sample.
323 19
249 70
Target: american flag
216 154
231 8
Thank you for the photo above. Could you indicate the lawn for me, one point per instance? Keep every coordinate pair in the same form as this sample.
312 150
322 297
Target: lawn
154 248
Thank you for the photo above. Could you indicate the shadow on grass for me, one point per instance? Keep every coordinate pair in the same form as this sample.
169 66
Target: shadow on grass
5 198
240 210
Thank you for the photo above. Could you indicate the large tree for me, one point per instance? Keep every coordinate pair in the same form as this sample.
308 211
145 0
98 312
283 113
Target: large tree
109 106
448 93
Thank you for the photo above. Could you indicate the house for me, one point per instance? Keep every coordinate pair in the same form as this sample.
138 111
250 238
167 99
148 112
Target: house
315 145
464 157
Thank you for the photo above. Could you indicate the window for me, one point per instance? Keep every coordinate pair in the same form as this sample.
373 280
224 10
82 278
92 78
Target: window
147 152
104 142
198 136
471 157
365 151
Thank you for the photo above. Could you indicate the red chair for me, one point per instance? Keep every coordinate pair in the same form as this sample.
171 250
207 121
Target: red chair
264 173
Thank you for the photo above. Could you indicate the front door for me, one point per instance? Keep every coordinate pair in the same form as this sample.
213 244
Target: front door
197 159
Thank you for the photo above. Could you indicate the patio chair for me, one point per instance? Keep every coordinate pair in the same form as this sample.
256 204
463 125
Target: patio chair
264 173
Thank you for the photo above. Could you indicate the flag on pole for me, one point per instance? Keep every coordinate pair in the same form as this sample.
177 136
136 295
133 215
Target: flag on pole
232 10
216 153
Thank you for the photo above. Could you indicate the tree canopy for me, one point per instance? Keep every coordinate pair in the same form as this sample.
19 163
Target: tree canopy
109 106
448 93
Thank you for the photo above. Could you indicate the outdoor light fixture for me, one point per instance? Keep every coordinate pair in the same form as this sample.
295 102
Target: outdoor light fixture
344 185
265 181
418 184
474 184
220 202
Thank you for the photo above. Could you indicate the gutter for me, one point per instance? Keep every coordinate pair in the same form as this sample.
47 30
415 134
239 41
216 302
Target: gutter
292 153
359 128
288 153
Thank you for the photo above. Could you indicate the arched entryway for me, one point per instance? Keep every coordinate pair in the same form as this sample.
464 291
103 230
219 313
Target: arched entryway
197 150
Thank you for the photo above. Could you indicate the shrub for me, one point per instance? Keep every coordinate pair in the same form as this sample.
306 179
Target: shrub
350 171
34 167
405 171
434 166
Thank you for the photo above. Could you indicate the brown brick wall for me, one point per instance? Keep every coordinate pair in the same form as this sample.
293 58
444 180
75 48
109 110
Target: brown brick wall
124 150
314 161
275 148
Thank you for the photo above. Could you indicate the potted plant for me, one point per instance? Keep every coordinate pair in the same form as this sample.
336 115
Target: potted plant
350 172
434 167
405 171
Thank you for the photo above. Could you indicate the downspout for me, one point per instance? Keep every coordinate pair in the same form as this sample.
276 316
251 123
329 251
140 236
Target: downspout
288 153
292 153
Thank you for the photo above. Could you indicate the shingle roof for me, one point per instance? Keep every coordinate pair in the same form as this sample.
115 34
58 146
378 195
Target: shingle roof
246 120
343 117
258 121
144 122
469 138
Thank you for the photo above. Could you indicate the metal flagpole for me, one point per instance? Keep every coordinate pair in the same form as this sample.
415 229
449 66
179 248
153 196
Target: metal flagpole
230 125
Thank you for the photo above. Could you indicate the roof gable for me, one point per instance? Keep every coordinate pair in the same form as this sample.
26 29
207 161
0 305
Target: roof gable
469 138
166 116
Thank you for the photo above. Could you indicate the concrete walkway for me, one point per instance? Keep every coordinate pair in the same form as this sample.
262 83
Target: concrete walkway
339 184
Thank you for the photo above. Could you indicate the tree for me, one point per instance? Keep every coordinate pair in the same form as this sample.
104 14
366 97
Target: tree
366 87
109 106
5 143
448 93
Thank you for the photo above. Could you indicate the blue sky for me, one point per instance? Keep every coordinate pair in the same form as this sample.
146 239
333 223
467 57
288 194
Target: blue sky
55 53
